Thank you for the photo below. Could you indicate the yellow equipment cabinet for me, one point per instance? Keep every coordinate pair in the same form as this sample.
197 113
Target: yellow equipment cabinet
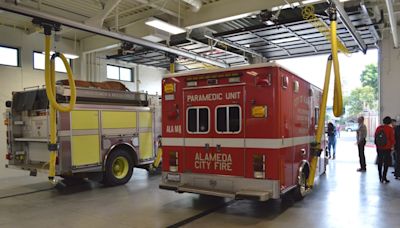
107 134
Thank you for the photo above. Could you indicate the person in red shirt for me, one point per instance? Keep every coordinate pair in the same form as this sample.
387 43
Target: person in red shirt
384 141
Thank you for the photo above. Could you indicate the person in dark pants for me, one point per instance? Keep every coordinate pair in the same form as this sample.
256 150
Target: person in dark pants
384 141
331 141
361 135
397 152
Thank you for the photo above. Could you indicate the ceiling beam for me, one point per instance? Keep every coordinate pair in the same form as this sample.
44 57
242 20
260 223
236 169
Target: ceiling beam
169 9
98 20
132 19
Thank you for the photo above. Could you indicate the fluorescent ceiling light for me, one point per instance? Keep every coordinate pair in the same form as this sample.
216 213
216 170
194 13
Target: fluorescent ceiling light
68 56
284 40
162 25
222 20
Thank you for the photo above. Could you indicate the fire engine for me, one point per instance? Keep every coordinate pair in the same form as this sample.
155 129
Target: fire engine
110 131
242 132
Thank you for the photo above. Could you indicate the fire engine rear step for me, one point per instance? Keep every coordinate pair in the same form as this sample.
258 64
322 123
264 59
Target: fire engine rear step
244 194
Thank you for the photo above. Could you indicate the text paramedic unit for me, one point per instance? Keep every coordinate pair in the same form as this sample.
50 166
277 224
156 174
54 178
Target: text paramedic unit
241 132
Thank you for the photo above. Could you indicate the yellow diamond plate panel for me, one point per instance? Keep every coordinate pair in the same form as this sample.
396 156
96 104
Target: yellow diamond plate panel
117 119
84 120
85 150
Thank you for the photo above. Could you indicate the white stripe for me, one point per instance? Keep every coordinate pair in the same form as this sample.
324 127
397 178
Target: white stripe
238 142
172 141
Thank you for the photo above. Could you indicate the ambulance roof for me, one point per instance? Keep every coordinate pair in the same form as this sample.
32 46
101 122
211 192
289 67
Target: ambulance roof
250 66
208 71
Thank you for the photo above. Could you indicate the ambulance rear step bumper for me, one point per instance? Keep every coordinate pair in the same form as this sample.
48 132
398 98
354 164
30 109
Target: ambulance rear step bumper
221 185
245 194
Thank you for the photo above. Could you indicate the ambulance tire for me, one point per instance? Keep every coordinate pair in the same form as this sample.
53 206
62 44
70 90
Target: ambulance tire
119 168
301 189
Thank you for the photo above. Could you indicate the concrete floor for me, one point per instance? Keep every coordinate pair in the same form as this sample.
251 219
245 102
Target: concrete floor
341 198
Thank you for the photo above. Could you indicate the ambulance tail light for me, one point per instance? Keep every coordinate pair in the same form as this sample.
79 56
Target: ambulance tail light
259 111
173 161
175 113
259 166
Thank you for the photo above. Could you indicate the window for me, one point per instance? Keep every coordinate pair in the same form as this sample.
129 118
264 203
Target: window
9 56
38 62
228 119
119 73
198 120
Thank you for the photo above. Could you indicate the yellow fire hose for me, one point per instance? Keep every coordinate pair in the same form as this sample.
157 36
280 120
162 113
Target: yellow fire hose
337 99
50 82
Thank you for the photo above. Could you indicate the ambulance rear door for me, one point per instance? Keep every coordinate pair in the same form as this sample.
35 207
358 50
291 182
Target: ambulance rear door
214 134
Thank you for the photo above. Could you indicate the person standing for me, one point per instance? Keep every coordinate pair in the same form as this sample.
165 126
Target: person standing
361 141
384 141
331 140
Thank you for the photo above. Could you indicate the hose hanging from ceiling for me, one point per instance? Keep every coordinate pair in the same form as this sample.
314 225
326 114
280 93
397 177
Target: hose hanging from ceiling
50 82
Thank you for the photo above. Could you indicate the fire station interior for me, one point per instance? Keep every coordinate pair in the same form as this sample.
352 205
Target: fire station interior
147 48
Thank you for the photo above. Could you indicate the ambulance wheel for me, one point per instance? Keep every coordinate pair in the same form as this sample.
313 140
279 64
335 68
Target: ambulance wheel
302 188
119 168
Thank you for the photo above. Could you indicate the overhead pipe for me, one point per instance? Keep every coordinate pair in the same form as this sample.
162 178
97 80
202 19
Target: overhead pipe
349 25
77 25
196 4
393 23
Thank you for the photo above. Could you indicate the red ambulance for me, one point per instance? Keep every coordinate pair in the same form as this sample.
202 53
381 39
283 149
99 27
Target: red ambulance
242 132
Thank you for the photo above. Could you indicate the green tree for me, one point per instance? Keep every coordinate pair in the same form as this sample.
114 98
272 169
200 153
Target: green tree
369 77
360 99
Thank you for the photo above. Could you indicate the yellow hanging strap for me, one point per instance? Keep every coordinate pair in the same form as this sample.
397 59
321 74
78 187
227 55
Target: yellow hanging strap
309 15
337 99
50 82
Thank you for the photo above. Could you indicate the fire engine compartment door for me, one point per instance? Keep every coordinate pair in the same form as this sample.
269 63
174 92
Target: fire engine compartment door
214 133
85 138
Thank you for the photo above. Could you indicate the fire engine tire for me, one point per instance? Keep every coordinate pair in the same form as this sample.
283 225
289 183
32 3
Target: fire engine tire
119 168
301 189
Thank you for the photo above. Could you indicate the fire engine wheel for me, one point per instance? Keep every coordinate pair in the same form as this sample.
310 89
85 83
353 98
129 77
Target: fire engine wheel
302 187
119 168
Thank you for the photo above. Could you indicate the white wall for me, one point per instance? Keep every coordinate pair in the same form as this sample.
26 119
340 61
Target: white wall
389 66
146 78
17 78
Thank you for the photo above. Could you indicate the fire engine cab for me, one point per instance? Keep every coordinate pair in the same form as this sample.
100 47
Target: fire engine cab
241 132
